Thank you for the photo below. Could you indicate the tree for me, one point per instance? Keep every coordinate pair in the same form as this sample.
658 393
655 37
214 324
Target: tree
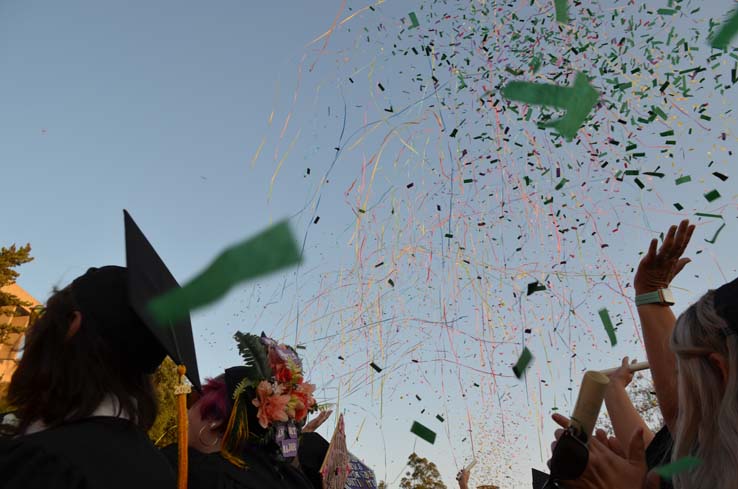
422 474
164 430
11 258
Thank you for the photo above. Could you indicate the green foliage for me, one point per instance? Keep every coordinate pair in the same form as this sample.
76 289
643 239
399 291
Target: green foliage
421 474
164 431
254 355
11 258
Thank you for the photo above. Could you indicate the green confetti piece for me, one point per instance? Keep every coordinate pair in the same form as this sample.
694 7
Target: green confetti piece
682 465
578 101
462 83
523 362
607 322
678 206
562 11
726 33
440 418
376 367
561 184
658 112
717 233
535 63
468 180
684 179
712 195
623 86
414 20
705 214
423 432
534 287
666 11
269 251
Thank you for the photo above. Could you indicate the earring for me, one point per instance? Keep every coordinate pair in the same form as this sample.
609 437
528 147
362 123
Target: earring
209 445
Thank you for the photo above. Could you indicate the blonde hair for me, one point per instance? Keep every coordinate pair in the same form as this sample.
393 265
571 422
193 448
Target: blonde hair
707 421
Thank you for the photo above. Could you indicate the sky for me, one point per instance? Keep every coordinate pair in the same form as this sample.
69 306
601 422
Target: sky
210 121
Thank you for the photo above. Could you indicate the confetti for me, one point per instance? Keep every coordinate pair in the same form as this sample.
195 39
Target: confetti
682 465
523 362
578 101
562 11
607 323
414 20
534 287
375 367
712 195
271 250
717 233
726 33
423 432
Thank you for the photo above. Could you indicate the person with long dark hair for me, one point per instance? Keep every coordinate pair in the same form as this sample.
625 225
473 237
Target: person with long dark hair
82 393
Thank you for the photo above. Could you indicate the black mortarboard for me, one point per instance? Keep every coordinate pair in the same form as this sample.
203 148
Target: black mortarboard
114 300
726 304
311 453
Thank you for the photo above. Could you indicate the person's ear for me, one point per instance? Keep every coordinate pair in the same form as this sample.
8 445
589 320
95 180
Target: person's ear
720 364
74 324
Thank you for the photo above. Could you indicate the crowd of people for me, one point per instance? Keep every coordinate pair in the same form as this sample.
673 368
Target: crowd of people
83 400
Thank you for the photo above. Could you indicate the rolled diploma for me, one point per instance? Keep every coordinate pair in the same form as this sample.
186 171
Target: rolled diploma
633 367
589 402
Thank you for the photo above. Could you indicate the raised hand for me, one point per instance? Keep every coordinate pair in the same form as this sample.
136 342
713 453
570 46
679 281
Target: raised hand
658 268
317 422
621 377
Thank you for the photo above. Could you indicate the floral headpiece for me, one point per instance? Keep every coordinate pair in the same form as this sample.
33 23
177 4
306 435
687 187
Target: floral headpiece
270 398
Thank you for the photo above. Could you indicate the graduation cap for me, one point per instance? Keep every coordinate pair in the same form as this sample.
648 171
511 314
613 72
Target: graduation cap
726 304
114 300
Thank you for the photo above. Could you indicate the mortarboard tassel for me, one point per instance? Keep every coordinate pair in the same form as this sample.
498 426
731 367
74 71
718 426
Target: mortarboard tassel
181 391
236 432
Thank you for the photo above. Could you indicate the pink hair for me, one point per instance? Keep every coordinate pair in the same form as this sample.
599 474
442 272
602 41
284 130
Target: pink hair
213 403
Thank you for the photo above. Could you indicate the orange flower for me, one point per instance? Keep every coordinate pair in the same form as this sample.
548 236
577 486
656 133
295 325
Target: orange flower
272 404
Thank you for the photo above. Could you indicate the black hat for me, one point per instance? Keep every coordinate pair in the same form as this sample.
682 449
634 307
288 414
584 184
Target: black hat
114 301
726 304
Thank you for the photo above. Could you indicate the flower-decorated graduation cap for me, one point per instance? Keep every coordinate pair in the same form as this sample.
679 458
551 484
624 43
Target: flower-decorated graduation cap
115 300
268 399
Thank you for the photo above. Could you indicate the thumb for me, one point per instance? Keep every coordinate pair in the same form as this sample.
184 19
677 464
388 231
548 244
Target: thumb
653 481
562 421
637 448
681 264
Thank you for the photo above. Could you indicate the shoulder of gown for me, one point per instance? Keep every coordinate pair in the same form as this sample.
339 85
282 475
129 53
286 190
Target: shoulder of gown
94 453
211 471
24 465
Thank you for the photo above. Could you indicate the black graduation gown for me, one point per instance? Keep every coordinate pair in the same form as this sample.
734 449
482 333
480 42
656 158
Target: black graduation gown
211 471
658 452
94 453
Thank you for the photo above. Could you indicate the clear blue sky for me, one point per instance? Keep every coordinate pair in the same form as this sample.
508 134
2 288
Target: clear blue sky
159 108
